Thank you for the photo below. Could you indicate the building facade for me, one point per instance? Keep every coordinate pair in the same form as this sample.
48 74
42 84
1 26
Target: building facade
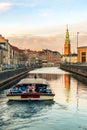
4 51
82 54
68 57
44 57
50 58
12 55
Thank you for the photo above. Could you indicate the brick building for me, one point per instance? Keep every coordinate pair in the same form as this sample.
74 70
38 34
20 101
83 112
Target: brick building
50 58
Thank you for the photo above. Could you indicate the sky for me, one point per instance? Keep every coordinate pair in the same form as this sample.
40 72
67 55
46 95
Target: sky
42 17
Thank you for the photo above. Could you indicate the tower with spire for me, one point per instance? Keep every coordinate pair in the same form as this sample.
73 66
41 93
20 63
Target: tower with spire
67 48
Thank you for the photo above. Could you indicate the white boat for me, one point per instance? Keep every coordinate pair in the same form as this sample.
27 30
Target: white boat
31 89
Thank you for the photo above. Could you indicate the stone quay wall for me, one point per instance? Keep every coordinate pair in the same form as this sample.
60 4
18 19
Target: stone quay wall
10 73
80 70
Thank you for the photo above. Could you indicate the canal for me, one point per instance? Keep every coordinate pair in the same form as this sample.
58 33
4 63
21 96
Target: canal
67 112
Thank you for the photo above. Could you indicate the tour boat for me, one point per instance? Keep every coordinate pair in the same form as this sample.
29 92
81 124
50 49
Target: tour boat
31 89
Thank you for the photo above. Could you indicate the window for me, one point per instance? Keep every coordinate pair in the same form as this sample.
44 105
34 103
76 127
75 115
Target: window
83 56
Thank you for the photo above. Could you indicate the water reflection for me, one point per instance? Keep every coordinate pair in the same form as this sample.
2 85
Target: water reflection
67 86
16 111
45 76
67 112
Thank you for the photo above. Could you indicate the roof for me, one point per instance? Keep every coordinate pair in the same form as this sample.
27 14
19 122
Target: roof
83 47
33 81
15 48
69 55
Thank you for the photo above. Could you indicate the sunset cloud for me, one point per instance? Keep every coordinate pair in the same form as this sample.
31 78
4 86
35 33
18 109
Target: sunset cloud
5 6
46 20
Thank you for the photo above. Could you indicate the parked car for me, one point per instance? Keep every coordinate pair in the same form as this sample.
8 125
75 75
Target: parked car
8 67
1 69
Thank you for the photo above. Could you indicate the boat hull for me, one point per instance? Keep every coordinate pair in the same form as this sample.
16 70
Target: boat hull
26 97
31 89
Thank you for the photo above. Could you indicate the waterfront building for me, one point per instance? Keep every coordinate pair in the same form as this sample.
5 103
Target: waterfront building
50 58
9 54
4 51
43 57
31 57
18 56
68 57
82 54
14 55
72 58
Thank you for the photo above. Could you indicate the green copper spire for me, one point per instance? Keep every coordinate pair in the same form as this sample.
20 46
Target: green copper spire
67 40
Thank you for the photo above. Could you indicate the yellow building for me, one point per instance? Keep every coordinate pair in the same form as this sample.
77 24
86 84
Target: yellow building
82 54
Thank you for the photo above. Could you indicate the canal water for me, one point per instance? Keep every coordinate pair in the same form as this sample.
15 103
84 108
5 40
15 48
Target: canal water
67 112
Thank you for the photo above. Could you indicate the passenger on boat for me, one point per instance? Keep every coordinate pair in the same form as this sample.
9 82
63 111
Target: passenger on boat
30 88
35 76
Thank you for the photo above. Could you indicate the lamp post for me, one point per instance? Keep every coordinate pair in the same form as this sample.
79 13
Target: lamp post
77 41
77 45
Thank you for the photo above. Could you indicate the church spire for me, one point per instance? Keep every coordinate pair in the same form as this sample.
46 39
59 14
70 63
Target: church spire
67 40
67 48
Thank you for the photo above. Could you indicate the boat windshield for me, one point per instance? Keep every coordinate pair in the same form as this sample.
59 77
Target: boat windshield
19 88
23 88
40 88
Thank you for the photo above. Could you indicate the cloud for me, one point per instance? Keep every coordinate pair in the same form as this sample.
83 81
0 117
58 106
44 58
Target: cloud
47 12
5 6
25 4
37 42
44 14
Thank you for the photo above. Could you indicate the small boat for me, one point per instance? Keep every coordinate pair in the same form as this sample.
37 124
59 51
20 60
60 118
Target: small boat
31 89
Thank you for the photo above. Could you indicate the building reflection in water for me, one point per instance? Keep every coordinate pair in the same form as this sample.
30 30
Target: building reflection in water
46 76
81 91
67 85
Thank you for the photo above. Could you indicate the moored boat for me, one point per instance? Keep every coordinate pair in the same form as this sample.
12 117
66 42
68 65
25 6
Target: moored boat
31 89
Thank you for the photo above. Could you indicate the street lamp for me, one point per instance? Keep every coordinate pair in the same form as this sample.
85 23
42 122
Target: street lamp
77 45
77 41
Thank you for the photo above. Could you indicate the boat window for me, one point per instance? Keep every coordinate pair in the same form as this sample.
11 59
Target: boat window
40 87
14 88
22 87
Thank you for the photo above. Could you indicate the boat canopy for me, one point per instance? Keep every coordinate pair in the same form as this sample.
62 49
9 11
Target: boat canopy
33 81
